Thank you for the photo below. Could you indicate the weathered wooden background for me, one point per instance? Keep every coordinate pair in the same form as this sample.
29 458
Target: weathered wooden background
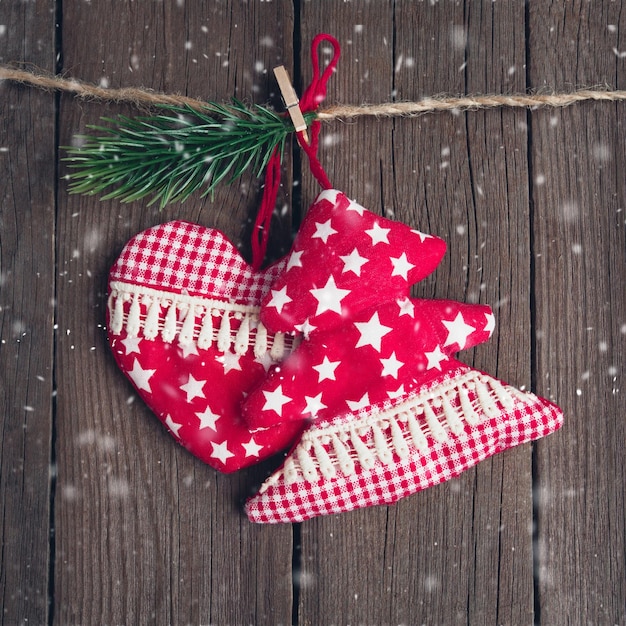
105 520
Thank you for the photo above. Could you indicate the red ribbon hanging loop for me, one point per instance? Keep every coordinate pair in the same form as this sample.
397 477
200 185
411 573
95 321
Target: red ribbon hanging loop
313 96
310 101
261 230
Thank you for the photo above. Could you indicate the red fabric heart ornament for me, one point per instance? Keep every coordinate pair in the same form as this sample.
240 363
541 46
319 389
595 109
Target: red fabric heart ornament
183 325
391 410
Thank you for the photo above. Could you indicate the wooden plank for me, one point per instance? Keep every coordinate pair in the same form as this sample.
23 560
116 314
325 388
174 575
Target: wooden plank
147 534
472 176
463 178
578 159
27 174
350 153
342 576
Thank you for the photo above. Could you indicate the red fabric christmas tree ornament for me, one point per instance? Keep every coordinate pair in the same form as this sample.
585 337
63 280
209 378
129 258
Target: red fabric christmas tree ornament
346 240
184 327
391 411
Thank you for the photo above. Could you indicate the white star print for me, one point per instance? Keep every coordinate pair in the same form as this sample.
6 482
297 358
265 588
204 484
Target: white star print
357 405
378 234
207 419
252 448
422 236
330 195
401 266
306 328
354 206
399 392
230 361
491 323
221 451
326 369
294 260
313 405
458 331
275 400
323 231
391 366
279 299
131 344
329 297
406 307
353 262
193 388
372 332
189 348
172 425
265 361
434 358
141 377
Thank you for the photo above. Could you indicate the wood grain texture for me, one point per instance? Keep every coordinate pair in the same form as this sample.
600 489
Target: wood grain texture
146 533
472 175
27 146
453 176
533 207
342 558
578 160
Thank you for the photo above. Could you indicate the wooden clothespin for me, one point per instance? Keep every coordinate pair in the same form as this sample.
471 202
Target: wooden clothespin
290 99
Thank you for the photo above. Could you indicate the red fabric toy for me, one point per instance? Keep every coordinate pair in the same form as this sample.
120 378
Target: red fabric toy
183 325
391 411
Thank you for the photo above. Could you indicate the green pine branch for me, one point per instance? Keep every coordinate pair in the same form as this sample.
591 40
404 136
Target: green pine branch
174 154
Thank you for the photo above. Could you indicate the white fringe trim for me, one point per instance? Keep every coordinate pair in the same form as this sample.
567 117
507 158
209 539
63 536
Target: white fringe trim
383 435
193 320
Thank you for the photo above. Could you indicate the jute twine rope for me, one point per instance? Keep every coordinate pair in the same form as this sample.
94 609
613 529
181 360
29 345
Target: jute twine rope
147 97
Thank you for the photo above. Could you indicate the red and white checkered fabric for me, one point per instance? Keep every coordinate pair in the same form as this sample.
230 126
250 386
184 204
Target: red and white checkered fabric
395 471
183 326
181 256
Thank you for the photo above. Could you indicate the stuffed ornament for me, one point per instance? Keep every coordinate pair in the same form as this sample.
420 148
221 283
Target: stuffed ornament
183 326
183 319
389 410
324 351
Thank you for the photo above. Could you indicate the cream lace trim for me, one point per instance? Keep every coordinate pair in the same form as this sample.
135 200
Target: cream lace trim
193 320
404 429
